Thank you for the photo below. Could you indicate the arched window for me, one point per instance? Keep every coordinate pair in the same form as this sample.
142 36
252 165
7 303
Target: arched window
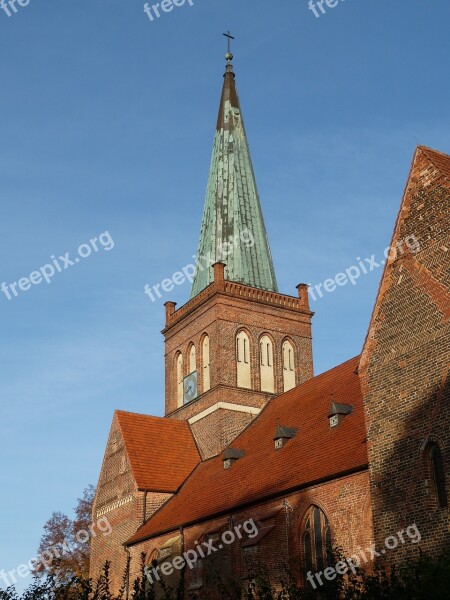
437 472
166 553
192 359
288 366
316 542
307 549
328 546
243 360
205 362
179 368
266 364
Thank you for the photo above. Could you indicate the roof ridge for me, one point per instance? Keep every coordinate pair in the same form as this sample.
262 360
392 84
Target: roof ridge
422 147
427 151
320 375
155 417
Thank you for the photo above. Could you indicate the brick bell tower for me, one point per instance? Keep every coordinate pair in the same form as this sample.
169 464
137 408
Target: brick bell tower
237 342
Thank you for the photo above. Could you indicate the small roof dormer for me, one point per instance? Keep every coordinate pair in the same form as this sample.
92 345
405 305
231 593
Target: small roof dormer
282 435
230 456
338 412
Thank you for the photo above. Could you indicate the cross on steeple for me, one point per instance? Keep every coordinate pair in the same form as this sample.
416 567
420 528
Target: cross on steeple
230 37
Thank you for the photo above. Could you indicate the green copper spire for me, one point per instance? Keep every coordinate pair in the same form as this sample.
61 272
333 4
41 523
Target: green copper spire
233 228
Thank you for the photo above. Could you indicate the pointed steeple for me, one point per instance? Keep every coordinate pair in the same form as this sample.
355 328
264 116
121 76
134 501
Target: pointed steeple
233 228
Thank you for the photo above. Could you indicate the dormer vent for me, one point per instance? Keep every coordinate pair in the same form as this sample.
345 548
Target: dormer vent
282 435
338 412
230 456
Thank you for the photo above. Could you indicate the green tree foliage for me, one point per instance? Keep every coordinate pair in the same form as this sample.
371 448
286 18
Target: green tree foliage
416 579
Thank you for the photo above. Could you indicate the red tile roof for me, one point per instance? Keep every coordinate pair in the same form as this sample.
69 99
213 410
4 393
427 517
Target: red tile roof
162 452
440 160
316 453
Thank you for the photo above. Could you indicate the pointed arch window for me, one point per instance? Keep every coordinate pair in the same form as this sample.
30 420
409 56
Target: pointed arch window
316 541
288 366
307 550
205 362
192 359
266 364
243 360
179 378
437 473
167 552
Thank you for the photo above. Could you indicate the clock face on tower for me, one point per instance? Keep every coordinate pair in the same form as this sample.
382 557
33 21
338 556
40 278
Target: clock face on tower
190 387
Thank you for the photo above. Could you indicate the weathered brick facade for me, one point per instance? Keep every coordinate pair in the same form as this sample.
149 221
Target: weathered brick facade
216 431
405 364
221 311
120 502
239 374
346 502
401 387
126 496
321 468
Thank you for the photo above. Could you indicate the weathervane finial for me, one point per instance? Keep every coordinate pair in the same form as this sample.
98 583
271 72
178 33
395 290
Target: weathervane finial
229 55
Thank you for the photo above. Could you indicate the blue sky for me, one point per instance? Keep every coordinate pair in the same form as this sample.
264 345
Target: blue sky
106 124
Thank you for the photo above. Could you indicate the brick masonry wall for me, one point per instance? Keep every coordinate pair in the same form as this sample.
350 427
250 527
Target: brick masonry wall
345 501
221 317
222 393
118 501
405 366
217 430
124 522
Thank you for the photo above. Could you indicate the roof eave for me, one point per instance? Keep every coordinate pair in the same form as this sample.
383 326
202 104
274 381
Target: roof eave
246 505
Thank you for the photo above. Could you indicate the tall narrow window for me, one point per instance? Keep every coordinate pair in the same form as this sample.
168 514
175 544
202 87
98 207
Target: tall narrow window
192 359
316 541
266 364
288 366
307 548
437 473
243 360
205 359
179 368
329 547
167 552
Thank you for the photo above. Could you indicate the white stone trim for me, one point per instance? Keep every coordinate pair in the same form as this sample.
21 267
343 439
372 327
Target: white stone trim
226 406
109 507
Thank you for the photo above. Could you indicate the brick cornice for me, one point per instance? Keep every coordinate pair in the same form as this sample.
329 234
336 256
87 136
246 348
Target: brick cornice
230 289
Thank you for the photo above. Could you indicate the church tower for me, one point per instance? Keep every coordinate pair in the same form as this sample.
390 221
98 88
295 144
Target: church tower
237 342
